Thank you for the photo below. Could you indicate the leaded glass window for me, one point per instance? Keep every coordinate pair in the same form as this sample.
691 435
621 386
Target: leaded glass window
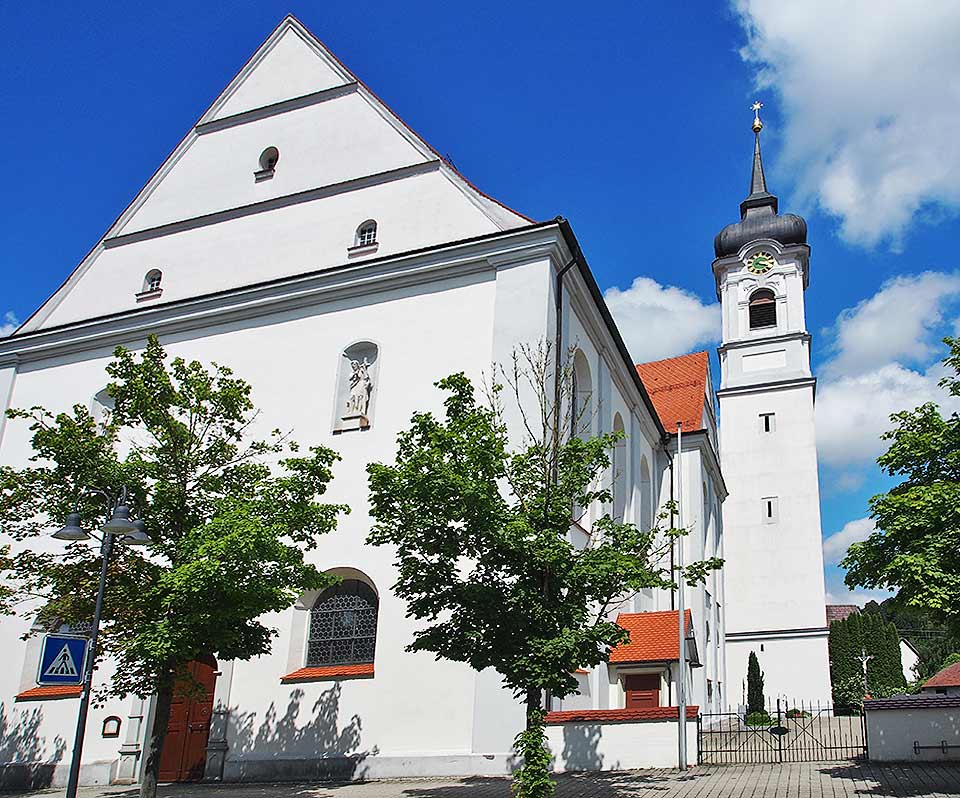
343 625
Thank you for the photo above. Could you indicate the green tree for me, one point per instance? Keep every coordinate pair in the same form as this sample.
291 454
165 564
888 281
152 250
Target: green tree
916 548
756 703
231 519
482 537
930 636
850 639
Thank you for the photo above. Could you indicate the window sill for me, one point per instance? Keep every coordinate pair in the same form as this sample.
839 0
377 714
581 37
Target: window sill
143 296
364 249
49 692
329 673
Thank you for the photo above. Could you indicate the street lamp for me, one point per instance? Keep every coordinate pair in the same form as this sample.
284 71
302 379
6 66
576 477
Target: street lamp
118 527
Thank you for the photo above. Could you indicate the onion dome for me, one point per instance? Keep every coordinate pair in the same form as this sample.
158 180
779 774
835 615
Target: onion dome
758 212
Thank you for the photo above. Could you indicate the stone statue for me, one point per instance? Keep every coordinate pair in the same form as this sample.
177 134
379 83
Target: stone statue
360 388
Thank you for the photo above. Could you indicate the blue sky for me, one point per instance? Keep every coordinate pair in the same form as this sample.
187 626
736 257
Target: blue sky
629 119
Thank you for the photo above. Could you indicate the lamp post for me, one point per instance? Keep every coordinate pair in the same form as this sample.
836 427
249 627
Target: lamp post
118 526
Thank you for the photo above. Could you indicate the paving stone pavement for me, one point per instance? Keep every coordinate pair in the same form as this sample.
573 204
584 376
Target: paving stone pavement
799 780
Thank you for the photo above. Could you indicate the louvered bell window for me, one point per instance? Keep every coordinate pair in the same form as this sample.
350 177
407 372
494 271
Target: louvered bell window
343 625
763 309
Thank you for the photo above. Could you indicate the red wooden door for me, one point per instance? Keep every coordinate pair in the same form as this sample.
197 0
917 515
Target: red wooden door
643 691
184 751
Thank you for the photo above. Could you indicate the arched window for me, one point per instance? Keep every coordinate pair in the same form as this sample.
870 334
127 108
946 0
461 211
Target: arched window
269 158
619 463
366 234
101 408
763 309
152 281
343 625
581 396
646 499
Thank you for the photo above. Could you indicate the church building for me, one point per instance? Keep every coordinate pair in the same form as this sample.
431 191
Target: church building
306 236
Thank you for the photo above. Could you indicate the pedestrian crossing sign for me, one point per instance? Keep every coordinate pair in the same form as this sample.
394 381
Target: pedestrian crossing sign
62 659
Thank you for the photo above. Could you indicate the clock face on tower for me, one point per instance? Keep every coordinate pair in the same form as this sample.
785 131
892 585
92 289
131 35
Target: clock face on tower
760 263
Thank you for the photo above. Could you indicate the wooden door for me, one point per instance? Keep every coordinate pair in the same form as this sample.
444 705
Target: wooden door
184 751
643 690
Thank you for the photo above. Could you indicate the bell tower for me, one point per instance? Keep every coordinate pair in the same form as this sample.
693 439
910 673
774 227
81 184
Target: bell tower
773 572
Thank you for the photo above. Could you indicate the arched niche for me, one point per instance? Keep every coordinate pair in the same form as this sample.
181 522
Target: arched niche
358 374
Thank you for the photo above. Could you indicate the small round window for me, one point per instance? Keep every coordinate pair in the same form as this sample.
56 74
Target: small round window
269 158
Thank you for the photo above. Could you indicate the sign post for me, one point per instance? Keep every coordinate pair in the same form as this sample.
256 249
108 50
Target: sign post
62 659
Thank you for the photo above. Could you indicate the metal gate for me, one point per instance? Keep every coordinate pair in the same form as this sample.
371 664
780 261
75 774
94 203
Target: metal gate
788 733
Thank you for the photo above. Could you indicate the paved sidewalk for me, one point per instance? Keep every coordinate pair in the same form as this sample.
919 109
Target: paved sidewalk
802 780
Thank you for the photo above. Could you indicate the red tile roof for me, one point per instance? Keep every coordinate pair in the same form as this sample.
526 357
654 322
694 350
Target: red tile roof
50 691
618 715
329 672
678 389
948 677
840 612
653 636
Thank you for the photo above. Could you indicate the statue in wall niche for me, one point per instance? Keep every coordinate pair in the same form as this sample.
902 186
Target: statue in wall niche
361 387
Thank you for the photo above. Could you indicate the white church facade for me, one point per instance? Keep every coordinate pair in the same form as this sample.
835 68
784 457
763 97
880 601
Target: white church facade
301 227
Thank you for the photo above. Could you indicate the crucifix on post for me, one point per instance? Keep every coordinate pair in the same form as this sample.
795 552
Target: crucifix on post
864 659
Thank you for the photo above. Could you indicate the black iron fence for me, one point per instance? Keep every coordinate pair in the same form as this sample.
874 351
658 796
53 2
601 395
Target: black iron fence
786 732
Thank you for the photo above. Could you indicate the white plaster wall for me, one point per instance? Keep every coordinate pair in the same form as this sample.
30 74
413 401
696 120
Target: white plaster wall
791 667
333 141
774 571
891 734
618 746
291 360
411 213
909 660
291 68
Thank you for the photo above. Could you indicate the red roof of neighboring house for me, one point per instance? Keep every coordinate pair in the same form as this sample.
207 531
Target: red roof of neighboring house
840 612
329 673
653 636
678 388
50 691
618 715
948 677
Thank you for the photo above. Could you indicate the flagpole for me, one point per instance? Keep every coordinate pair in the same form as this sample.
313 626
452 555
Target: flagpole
681 614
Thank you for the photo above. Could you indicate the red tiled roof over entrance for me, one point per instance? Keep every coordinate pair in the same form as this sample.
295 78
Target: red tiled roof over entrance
653 637
618 715
49 691
677 386
948 677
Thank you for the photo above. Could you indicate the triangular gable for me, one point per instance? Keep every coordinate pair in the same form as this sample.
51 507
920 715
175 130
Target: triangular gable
288 64
257 89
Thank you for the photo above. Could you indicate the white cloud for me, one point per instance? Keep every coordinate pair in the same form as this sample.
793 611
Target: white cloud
9 324
839 593
835 546
853 412
659 321
895 324
867 380
869 92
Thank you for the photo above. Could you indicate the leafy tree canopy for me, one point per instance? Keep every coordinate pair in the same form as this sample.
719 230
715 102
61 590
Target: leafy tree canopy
916 548
482 535
231 519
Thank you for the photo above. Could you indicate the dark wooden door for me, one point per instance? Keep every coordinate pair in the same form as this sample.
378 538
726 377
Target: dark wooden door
185 746
643 691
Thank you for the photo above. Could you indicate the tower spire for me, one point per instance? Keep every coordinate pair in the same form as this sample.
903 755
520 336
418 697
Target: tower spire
759 198
758 182
759 212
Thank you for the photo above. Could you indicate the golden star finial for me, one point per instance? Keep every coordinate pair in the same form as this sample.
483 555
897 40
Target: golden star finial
757 124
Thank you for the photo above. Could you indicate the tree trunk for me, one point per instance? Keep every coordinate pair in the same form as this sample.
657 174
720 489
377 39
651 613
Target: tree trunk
533 703
148 787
